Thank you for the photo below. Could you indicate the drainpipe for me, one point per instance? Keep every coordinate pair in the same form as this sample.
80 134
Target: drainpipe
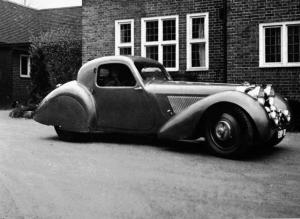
225 14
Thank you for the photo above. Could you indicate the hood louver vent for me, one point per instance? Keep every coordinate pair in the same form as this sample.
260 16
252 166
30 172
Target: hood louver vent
179 103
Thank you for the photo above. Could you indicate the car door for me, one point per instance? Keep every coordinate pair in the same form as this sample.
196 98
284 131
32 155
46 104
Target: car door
121 103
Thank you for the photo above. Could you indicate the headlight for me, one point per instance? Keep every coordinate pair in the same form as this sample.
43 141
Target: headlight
269 90
270 94
285 112
259 94
272 108
287 115
261 100
273 115
265 95
271 101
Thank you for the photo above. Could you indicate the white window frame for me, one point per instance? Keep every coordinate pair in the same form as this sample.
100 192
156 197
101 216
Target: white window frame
118 43
284 45
190 40
28 66
160 43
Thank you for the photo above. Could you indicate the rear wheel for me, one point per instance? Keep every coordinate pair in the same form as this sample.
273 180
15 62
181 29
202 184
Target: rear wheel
70 136
229 132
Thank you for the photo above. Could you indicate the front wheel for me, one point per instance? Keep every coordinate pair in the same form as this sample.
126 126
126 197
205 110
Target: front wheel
70 136
229 132
273 141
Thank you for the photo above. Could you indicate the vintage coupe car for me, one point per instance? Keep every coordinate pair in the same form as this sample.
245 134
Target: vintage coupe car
123 94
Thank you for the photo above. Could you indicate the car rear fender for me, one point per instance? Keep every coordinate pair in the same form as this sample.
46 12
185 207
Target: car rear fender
184 124
70 106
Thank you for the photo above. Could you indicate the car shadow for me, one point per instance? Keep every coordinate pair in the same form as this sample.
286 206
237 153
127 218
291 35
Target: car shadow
259 153
182 147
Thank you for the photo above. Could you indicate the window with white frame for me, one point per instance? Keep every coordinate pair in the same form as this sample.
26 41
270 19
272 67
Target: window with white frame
160 40
279 44
24 66
124 37
197 40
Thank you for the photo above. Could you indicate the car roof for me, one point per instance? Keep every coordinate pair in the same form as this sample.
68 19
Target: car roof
95 62
142 59
85 73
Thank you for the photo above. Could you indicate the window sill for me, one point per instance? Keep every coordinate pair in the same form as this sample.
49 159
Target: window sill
279 65
197 69
172 69
24 76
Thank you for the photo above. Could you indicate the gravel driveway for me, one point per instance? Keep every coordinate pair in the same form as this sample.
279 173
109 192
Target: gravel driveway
126 177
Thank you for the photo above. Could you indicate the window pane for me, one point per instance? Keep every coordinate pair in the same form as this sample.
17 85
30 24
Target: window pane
294 43
169 56
198 55
198 28
115 75
152 52
151 31
125 33
24 65
169 30
125 51
273 44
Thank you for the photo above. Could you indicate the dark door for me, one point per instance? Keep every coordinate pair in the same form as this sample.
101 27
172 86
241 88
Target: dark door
120 102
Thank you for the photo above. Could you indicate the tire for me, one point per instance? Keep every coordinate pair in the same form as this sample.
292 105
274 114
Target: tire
229 132
70 136
273 141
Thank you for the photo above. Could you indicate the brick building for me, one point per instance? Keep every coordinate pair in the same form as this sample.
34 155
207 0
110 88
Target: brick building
158 29
205 40
17 24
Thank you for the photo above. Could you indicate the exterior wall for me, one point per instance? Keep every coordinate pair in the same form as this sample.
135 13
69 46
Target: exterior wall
5 77
17 25
21 86
244 18
99 26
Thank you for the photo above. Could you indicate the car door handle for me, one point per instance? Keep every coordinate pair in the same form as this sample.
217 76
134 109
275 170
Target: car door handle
92 91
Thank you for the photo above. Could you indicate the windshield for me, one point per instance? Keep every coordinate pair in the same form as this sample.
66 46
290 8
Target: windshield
152 71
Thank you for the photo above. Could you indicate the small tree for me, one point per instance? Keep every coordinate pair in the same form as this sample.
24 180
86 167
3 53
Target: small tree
55 59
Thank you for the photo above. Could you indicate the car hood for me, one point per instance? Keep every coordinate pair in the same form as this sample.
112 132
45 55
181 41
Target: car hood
191 88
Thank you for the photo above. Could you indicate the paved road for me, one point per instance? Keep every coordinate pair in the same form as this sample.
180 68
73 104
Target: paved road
117 177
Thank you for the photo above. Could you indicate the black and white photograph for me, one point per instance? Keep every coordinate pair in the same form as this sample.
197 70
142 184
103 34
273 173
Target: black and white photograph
149 109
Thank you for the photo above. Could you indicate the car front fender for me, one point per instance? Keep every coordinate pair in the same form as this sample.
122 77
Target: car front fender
70 106
184 124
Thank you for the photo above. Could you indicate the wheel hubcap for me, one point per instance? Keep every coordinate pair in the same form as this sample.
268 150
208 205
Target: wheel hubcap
223 131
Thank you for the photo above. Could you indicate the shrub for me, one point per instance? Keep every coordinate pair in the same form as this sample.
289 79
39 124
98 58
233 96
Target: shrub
55 59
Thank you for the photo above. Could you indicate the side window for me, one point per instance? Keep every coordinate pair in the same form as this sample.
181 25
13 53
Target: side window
115 75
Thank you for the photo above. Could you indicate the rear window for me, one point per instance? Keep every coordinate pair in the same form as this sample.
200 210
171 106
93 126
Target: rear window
152 71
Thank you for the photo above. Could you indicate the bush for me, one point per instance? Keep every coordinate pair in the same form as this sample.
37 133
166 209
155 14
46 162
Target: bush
55 59
21 111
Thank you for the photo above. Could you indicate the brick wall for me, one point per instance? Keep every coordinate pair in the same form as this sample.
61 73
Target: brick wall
99 39
244 18
21 86
18 24
5 78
